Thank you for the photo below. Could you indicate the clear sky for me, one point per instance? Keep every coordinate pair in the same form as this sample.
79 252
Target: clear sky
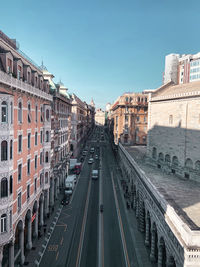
103 48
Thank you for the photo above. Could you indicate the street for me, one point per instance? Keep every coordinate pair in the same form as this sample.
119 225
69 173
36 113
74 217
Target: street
84 236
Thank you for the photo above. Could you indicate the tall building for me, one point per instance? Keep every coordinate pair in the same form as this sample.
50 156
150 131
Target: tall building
182 68
100 117
25 152
128 117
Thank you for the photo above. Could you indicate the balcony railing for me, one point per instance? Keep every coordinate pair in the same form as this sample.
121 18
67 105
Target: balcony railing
13 82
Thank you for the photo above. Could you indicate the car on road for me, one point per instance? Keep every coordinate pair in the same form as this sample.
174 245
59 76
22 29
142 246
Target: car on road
84 153
90 161
101 208
96 156
65 201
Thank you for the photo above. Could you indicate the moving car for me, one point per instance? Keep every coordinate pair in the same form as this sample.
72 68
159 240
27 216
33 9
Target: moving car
65 201
90 161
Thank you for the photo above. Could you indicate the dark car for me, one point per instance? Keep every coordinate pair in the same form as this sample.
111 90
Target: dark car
65 201
101 208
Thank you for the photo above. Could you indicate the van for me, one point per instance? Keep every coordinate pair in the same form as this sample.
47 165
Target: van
95 174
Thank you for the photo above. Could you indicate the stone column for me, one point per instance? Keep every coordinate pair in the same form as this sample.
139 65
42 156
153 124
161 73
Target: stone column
21 244
160 255
147 236
35 233
29 234
11 254
42 211
1 255
46 202
52 193
141 217
153 246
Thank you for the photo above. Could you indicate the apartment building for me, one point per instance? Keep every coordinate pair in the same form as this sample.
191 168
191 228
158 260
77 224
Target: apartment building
100 117
128 118
182 68
60 134
25 154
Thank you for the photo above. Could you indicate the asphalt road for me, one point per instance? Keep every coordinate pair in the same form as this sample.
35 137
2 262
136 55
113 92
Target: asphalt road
75 241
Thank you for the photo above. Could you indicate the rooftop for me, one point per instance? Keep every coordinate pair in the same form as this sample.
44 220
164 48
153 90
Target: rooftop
182 195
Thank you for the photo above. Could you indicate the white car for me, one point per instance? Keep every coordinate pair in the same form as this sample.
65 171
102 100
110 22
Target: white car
90 161
96 156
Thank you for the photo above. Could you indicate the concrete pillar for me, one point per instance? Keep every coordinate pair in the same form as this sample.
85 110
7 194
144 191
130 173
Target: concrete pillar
11 254
1 255
147 233
35 222
29 234
42 211
21 244
153 246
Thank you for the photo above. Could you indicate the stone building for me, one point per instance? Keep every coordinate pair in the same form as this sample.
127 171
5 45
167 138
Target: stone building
25 115
60 134
174 129
100 117
128 117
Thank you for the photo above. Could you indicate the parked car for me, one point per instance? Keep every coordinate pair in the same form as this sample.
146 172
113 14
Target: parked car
96 156
90 161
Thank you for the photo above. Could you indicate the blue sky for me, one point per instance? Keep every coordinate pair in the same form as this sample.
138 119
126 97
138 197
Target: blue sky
103 48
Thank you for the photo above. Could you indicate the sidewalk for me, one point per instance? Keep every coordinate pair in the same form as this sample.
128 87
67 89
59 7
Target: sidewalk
40 243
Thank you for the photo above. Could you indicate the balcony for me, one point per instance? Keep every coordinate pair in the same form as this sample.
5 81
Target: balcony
13 82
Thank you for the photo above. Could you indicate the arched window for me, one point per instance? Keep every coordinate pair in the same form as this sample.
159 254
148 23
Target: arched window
46 178
11 184
4 112
29 113
11 112
4 150
36 113
41 113
4 187
41 180
47 136
46 157
11 149
47 114
160 157
189 163
167 159
20 112
154 153
3 223
197 165
175 161
138 99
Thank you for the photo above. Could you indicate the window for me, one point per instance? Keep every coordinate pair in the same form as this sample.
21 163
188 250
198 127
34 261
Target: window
126 118
47 115
28 191
4 150
11 112
171 119
145 118
36 137
29 140
35 185
19 72
11 149
41 137
41 158
19 172
20 143
138 118
20 112
36 162
47 136
46 178
9 65
4 112
41 180
41 113
46 157
3 223
11 184
138 99
36 113
29 77
145 99
28 166
36 81
126 99
4 187
19 201
29 113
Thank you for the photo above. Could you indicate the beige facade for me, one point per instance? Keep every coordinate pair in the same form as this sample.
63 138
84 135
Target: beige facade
100 117
174 129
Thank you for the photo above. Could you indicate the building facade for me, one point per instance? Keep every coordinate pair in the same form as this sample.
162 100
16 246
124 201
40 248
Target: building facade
128 117
25 153
100 117
182 68
173 129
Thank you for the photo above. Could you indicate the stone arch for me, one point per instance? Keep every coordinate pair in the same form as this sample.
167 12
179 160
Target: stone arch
167 159
189 163
161 157
197 165
35 220
27 230
19 240
162 253
154 153
175 161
